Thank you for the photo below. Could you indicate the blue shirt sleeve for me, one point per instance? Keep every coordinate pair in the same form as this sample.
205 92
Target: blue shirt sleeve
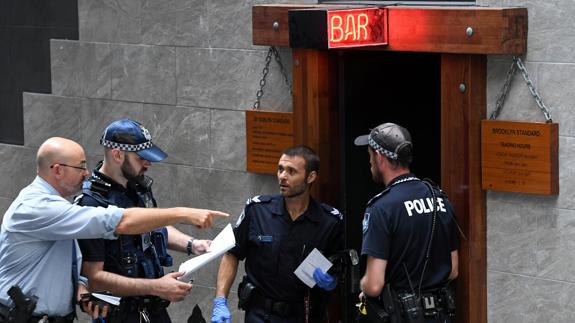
377 234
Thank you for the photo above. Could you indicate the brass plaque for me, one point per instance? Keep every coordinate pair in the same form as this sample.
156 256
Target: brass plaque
520 156
267 135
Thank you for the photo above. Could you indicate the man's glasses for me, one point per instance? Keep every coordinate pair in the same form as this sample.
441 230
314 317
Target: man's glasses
82 168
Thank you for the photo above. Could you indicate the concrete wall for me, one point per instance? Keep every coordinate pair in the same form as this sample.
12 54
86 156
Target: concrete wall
187 70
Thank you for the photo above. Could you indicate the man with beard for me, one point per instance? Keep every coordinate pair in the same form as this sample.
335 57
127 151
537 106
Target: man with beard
38 250
274 234
410 235
131 266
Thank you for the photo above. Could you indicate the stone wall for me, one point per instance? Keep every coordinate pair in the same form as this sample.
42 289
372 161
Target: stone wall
187 70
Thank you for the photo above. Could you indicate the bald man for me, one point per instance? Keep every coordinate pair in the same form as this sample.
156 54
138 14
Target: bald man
38 252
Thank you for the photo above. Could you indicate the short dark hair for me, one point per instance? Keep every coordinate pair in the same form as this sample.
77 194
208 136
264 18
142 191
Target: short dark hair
310 157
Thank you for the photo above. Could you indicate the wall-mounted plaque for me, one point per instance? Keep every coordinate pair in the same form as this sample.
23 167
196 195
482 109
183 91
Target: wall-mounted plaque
520 156
267 135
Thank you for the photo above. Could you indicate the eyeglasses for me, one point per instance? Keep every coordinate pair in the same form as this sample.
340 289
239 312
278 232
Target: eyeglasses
82 168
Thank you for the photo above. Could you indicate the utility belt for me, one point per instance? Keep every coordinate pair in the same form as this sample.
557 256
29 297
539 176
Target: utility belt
249 296
151 304
406 306
5 317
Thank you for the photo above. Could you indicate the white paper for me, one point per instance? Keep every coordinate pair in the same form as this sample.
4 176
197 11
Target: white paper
223 242
114 300
314 260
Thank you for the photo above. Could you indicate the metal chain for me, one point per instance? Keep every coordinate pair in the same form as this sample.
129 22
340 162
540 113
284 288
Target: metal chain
518 63
265 72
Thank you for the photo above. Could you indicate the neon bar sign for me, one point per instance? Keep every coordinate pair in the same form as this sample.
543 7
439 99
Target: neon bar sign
357 27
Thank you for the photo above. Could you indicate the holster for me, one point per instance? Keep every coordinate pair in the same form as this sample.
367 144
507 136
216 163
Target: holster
245 292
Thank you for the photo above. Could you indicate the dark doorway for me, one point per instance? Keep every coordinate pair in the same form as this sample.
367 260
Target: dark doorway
378 87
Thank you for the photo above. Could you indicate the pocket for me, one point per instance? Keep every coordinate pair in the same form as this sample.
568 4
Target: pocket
266 253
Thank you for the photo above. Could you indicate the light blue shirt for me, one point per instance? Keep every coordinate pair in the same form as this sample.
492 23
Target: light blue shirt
37 241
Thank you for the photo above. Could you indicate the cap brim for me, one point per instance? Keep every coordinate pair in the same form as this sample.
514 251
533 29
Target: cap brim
361 140
152 154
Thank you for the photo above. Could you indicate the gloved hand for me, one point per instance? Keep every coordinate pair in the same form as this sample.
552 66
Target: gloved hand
324 280
221 313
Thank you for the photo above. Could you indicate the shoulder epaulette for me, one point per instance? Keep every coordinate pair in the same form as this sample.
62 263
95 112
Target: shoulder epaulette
258 199
333 211
375 198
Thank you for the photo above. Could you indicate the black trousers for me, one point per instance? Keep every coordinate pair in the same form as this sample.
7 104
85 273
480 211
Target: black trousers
259 315
160 316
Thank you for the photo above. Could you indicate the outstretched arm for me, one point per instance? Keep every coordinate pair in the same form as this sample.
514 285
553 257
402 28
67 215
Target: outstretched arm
138 220
167 287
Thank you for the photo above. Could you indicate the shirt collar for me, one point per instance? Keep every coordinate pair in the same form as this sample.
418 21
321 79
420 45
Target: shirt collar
42 183
313 211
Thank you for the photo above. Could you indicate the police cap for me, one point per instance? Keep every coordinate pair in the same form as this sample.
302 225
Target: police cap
390 140
130 135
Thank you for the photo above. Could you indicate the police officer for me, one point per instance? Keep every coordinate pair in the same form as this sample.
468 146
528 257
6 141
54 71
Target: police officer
274 234
119 265
409 233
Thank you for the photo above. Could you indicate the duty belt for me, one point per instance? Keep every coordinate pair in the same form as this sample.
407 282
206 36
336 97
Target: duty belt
4 311
276 307
151 303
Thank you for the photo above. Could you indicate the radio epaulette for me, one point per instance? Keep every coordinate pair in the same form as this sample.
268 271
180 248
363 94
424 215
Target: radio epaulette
331 210
98 185
259 199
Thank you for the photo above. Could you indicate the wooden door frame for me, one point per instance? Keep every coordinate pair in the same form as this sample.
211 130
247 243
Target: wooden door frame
463 106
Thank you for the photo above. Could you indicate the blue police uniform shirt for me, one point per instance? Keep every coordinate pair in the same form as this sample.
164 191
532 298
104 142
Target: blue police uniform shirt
37 245
101 190
273 245
397 227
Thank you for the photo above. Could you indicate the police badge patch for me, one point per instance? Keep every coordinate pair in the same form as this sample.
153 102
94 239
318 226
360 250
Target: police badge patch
365 222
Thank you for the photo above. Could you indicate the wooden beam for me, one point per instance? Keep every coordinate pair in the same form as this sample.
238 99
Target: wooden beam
461 115
316 120
420 29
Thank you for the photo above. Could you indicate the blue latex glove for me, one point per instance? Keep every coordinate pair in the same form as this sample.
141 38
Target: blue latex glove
324 280
221 313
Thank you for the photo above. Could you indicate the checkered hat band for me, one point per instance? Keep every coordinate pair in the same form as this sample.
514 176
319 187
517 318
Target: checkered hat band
126 147
381 150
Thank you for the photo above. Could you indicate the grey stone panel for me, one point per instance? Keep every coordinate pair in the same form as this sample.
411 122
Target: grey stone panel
511 246
263 184
144 73
17 170
566 198
175 22
4 204
228 79
48 115
230 23
228 132
557 89
183 133
112 21
520 299
97 114
81 69
177 185
556 244
519 104
551 37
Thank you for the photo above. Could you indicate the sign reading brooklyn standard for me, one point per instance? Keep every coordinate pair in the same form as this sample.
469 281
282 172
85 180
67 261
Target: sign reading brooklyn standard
520 156
267 135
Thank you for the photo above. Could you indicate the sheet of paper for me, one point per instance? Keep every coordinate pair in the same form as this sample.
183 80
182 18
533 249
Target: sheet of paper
223 242
314 260
114 300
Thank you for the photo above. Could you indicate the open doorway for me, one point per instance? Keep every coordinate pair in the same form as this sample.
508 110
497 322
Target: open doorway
377 87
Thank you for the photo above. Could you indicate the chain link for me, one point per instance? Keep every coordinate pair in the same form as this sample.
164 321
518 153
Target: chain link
518 64
272 51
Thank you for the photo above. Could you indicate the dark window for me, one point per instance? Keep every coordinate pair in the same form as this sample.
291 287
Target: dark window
26 27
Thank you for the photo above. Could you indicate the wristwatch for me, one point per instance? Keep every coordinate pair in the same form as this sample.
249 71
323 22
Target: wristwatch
190 246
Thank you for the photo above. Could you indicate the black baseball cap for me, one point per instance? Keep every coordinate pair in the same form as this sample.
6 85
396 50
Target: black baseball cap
389 139
130 135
